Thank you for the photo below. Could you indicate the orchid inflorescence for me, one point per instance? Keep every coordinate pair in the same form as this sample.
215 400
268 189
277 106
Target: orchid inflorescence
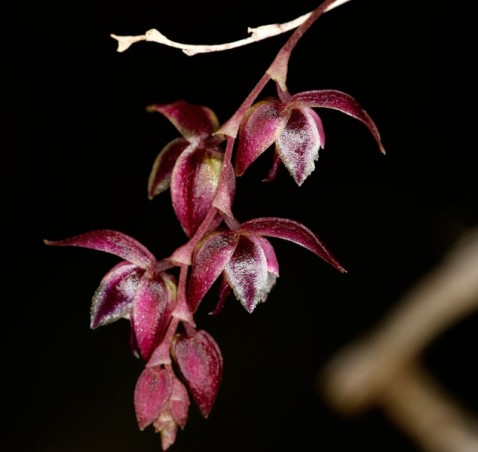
160 297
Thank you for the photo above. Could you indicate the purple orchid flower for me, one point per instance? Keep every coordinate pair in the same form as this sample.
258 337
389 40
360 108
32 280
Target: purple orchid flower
247 260
136 288
295 128
190 165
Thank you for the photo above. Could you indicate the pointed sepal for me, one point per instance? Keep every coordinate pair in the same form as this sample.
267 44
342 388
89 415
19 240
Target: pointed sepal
292 231
261 126
151 394
340 101
192 121
200 362
112 242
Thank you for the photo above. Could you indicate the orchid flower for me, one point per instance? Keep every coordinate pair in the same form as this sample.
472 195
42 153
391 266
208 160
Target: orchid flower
137 288
190 165
247 259
295 128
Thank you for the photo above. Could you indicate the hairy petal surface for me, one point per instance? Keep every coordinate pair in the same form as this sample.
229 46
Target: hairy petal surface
293 231
114 297
298 145
151 304
192 121
160 176
200 362
151 394
112 242
262 125
194 182
246 273
340 101
209 260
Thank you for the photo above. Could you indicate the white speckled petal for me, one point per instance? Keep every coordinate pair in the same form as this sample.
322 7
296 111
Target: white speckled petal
246 273
298 145
114 297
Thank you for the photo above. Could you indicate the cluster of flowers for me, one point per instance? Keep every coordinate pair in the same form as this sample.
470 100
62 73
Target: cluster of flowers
182 361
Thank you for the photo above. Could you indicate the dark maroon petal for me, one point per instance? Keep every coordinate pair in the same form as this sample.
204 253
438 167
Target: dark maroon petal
298 145
194 183
224 292
113 242
200 362
318 124
151 304
293 231
246 273
337 100
160 176
276 162
179 403
225 191
151 395
260 128
192 121
114 297
209 261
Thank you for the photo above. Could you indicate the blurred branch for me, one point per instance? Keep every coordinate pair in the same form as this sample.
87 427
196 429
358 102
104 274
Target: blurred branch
383 369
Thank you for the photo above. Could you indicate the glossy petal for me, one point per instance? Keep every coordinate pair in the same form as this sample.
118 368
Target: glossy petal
293 231
261 127
194 183
246 273
200 362
112 242
151 303
160 176
209 260
151 395
114 297
337 100
298 145
192 121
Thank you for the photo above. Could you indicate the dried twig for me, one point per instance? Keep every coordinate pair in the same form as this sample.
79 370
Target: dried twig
256 34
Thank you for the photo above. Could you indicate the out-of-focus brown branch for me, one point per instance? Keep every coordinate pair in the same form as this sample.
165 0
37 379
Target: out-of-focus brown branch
383 369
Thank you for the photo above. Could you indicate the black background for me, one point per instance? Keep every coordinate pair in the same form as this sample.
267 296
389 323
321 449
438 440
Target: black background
78 148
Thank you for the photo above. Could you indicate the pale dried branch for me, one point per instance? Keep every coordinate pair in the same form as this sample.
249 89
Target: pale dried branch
256 34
